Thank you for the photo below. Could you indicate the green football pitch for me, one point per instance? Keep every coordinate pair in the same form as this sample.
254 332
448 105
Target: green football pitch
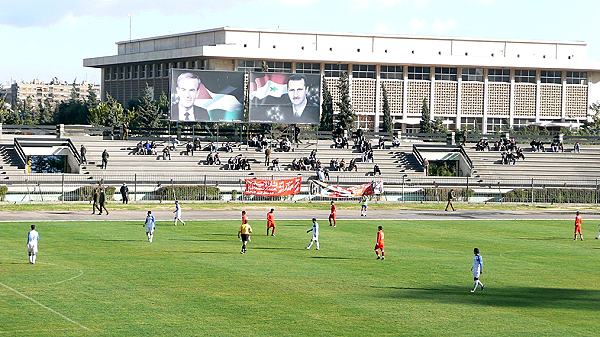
105 279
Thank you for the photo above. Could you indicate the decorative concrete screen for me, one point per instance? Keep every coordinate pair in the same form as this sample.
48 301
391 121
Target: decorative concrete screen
207 96
285 98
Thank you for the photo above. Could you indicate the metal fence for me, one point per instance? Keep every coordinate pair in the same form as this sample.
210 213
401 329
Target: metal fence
148 187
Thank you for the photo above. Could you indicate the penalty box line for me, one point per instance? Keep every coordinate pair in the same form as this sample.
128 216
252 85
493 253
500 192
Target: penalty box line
45 307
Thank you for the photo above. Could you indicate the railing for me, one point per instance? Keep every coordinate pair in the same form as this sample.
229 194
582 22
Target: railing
143 187
19 149
47 130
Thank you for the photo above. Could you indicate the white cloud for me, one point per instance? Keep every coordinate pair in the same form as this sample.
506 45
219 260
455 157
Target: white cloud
443 26
417 25
486 2
298 3
390 3
381 28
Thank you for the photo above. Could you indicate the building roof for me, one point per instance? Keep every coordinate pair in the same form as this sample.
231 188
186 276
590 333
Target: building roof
278 45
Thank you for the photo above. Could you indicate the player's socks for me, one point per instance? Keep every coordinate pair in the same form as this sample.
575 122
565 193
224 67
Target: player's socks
33 258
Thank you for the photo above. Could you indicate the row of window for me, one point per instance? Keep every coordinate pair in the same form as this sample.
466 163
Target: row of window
358 71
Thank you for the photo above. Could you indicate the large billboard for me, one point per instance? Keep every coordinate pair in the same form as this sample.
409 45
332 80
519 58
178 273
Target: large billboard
207 96
285 98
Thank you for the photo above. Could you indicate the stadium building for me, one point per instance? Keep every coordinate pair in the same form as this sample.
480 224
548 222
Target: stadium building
484 84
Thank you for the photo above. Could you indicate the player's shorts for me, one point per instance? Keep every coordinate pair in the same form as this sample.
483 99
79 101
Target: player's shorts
32 248
270 225
150 231
378 246
315 238
332 216
245 237
577 229
476 274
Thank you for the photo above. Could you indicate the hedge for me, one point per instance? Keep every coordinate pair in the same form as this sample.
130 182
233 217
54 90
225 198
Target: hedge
441 193
554 195
86 193
3 191
186 192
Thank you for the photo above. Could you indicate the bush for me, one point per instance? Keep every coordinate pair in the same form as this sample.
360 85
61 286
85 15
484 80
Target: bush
442 169
187 192
553 195
3 191
441 193
86 193
234 194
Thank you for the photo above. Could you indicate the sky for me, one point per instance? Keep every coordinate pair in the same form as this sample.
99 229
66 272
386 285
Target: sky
41 39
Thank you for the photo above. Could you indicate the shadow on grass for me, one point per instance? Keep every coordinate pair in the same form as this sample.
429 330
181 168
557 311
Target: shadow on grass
525 297
333 258
121 240
222 234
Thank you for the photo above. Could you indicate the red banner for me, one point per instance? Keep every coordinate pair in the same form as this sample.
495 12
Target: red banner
272 188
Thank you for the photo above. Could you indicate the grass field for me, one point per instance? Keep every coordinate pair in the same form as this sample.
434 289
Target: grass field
104 279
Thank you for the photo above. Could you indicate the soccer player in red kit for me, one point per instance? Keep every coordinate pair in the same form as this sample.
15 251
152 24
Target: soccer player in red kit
379 244
332 215
271 222
577 227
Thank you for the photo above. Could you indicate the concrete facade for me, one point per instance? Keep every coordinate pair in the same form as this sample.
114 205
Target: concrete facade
468 83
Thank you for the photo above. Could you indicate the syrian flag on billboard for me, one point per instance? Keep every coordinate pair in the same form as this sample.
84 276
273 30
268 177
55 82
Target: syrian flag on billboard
218 101
274 85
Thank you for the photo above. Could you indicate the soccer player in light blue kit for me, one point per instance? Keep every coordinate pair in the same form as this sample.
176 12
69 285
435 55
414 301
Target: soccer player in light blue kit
150 224
32 244
315 234
477 269
177 212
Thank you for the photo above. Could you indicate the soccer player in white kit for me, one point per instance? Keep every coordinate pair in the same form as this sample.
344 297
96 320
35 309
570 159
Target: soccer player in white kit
315 234
477 269
177 212
150 224
32 244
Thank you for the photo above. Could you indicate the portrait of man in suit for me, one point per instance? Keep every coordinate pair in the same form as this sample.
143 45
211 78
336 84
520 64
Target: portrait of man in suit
183 108
298 91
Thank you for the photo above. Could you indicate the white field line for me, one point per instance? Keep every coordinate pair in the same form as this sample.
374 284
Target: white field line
45 307
67 280
29 331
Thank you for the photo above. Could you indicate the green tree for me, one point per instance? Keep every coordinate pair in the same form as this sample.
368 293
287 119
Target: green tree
147 114
425 126
71 112
438 126
593 127
388 126
26 111
326 123
107 113
346 117
7 114
92 98
163 105
75 95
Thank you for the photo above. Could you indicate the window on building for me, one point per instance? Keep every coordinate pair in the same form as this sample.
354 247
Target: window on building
135 71
525 76
165 69
551 76
142 71
497 124
279 67
107 74
335 69
419 73
150 70
472 74
392 72
521 123
470 123
121 72
115 71
499 75
363 71
249 65
127 72
308 68
576 77
445 74
157 69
